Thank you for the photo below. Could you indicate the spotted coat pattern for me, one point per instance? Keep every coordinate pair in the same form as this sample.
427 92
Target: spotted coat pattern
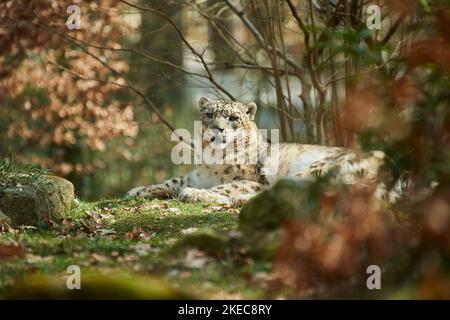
237 183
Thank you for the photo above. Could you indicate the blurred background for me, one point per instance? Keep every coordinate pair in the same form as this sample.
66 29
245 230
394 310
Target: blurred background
96 103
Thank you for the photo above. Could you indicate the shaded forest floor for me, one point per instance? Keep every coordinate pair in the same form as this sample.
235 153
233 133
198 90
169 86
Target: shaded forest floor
138 236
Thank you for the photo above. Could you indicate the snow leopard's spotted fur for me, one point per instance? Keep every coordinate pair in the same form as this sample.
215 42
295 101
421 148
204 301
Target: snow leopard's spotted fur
226 183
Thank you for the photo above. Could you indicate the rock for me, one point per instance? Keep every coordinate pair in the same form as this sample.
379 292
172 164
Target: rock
286 199
36 202
96 286
262 218
205 240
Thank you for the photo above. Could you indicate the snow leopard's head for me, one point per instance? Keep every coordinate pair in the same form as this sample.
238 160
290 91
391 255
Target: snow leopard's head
224 120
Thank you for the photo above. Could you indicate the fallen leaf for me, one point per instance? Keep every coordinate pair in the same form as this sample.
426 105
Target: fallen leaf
33 259
136 234
114 254
68 224
195 259
105 232
155 206
189 230
128 258
142 249
11 250
98 258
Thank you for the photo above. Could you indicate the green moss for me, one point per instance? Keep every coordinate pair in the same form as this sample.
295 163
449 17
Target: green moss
262 218
155 227
95 286
209 241
271 208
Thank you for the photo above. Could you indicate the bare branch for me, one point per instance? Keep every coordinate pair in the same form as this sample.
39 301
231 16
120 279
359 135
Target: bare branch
258 35
41 25
186 42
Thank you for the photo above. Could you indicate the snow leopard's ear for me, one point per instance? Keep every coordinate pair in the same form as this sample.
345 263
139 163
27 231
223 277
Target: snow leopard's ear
251 110
203 102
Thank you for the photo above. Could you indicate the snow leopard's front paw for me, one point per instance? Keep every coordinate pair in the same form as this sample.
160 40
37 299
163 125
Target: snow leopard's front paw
150 192
138 192
202 195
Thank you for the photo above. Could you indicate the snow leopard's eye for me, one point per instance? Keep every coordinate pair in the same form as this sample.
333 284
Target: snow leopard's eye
209 115
233 118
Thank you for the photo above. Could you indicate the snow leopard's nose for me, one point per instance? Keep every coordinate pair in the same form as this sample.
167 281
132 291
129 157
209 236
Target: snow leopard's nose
218 127
219 124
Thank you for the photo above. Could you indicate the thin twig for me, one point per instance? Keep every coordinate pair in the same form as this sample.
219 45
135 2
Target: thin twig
186 42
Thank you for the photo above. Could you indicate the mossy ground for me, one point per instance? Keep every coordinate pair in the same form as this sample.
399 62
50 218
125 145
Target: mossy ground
116 236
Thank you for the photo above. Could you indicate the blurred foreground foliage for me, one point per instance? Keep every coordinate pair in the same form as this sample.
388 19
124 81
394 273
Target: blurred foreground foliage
408 117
